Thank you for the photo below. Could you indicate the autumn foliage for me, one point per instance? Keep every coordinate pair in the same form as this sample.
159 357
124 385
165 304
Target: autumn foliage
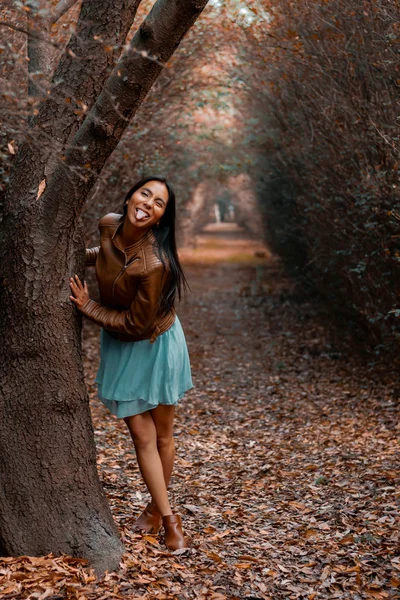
330 185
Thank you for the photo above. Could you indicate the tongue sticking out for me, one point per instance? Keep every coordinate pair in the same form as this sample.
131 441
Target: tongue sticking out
140 214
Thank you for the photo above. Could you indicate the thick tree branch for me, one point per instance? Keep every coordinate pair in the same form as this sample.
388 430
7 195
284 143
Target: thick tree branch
79 77
86 63
131 79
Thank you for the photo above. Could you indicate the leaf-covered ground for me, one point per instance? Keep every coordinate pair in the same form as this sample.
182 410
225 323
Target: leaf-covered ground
287 455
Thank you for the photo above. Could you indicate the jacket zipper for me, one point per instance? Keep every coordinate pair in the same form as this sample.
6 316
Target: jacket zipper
122 271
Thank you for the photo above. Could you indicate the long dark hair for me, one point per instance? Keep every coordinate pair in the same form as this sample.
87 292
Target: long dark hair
164 233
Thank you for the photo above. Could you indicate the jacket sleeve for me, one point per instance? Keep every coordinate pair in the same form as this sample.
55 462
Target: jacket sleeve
141 314
91 255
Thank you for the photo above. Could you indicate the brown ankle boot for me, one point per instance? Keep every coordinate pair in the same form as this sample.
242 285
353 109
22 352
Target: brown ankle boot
174 538
149 521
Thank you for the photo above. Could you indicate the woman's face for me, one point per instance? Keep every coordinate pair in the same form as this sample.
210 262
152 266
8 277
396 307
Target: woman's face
147 205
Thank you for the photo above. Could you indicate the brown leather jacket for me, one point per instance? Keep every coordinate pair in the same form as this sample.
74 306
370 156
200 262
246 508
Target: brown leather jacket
131 283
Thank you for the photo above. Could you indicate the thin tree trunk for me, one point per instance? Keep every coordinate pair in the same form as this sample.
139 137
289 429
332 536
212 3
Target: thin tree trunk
40 50
50 496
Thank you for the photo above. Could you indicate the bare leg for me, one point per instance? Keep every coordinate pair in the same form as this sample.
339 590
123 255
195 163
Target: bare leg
144 435
163 417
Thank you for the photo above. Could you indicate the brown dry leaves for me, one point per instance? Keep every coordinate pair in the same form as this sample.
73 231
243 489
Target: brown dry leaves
287 467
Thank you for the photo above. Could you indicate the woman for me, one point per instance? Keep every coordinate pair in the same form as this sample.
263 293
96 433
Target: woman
144 364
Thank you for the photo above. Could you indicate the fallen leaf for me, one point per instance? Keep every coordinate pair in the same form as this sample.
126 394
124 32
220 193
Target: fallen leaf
41 188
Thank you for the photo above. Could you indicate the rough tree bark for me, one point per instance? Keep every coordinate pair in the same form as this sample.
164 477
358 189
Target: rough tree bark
50 496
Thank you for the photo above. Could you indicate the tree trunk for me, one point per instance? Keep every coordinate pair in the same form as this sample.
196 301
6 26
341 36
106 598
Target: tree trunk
50 496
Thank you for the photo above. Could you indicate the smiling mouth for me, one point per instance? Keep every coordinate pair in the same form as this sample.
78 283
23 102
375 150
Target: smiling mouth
141 215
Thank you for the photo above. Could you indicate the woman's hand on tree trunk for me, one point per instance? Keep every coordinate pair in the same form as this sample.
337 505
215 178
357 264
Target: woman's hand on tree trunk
80 292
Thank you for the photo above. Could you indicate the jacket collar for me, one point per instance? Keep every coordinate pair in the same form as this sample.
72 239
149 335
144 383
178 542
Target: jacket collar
148 238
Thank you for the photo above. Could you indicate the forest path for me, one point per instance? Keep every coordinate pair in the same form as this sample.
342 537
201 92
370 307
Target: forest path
287 447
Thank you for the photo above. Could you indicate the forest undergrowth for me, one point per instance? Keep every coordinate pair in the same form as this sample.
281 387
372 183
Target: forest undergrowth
331 198
287 455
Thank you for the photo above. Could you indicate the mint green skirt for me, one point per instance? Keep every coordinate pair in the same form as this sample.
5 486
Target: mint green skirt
137 376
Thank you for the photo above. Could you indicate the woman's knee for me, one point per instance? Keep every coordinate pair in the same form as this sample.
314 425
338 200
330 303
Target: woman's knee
142 431
163 417
165 439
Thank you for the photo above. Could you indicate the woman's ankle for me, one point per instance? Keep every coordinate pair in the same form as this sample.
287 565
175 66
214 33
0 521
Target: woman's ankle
165 511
